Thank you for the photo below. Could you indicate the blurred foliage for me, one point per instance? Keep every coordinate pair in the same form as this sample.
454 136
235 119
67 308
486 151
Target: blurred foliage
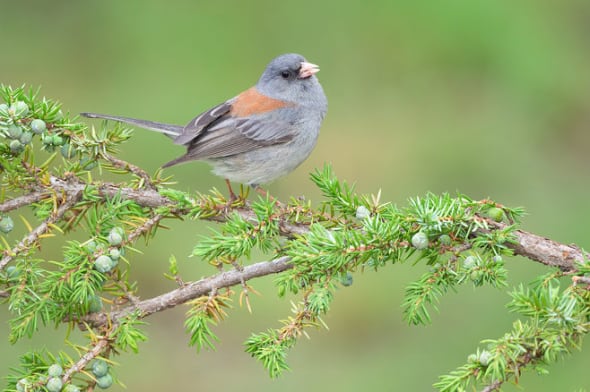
489 98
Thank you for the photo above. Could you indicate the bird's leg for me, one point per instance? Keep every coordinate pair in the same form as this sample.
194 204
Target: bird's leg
264 193
232 195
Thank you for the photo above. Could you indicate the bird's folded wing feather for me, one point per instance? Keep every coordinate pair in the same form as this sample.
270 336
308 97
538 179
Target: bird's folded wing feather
232 136
246 122
195 127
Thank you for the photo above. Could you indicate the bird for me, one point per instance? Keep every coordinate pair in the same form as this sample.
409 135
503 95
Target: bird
259 135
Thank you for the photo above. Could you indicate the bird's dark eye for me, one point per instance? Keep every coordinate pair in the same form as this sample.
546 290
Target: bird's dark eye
285 74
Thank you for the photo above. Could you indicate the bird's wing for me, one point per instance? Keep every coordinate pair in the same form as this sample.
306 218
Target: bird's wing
244 123
195 127
236 135
230 136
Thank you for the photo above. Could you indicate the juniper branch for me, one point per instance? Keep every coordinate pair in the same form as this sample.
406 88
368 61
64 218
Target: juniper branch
532 246
24 200
70 200
124 165
152 198
85 359
581 279
144 197
193 290
145 227
541 249
493 386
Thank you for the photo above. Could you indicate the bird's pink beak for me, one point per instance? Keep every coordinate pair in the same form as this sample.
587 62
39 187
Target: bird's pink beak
308 69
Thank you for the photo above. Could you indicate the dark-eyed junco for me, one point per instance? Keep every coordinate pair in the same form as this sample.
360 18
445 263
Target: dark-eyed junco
259 135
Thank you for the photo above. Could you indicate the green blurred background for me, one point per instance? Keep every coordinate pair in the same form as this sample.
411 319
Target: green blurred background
489 98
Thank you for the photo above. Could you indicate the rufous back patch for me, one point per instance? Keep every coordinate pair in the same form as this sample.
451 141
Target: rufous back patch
252 102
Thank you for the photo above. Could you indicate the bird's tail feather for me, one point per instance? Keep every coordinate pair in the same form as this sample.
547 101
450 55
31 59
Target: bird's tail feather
167 129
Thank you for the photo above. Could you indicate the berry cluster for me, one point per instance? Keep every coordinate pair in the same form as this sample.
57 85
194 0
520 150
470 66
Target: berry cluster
107 261
13 127
19 129
101 370
6 224
19 125
52 381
